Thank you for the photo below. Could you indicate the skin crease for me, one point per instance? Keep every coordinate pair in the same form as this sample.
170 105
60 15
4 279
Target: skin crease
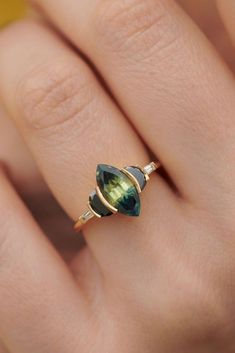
29 175
203 12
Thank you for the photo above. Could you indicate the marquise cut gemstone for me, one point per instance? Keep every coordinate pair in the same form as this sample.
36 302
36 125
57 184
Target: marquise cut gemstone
118 190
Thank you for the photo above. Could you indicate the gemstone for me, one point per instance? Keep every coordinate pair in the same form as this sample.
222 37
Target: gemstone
139 175
118 190
98 206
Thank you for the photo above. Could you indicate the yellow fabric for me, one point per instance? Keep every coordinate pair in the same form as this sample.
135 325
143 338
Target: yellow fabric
10 10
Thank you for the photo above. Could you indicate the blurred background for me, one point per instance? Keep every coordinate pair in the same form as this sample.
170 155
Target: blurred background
10 10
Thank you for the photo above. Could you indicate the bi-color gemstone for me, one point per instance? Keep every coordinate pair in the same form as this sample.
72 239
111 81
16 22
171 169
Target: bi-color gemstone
118 189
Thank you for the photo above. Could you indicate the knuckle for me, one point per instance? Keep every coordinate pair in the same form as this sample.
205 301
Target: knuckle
134 26
53 95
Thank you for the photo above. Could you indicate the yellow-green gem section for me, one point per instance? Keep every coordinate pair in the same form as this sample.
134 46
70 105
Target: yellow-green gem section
118 190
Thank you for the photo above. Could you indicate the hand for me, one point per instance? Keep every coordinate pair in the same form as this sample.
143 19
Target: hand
27 178
163 282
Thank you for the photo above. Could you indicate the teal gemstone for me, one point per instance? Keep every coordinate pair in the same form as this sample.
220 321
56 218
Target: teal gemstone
118 190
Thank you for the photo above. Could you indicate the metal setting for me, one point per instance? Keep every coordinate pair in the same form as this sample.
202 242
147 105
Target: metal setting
90 213
105 202
93 211
133 179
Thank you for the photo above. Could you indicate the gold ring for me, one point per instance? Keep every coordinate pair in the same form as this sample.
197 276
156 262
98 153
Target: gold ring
117 191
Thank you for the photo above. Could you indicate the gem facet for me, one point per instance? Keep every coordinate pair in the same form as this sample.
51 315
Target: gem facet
98 206
118 190
139 175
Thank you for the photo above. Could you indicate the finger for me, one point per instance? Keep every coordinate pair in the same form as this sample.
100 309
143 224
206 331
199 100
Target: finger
71 125
68 119
227 11
205 13
166 77
40 304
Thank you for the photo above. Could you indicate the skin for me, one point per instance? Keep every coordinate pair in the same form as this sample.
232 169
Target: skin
152 284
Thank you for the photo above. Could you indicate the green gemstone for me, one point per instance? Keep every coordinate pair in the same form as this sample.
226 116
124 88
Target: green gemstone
118 190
